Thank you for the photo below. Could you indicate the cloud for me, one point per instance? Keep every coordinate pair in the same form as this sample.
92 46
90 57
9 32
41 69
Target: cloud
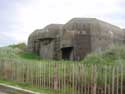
21 17
39 13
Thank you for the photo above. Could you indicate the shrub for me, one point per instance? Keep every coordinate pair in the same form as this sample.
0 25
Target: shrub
113 55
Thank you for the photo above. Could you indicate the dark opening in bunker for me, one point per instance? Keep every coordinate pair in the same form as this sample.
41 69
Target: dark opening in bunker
66 53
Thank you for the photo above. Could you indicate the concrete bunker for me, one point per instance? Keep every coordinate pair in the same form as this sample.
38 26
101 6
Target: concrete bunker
75 39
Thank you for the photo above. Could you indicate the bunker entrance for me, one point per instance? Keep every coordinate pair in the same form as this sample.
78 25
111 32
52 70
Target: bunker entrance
66 53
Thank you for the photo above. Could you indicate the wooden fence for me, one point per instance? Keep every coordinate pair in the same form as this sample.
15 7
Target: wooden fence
70 78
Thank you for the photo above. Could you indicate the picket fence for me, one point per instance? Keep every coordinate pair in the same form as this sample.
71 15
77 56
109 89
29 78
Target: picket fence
67 78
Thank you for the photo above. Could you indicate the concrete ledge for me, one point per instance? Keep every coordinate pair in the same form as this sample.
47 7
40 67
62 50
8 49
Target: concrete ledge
15 90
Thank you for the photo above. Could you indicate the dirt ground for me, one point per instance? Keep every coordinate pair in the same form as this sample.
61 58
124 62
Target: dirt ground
2 92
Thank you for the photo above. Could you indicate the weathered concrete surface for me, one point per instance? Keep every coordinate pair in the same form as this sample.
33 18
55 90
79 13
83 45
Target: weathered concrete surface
75 39
15 90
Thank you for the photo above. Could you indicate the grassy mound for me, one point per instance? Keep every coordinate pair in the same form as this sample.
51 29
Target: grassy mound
19 45
9 53
115 54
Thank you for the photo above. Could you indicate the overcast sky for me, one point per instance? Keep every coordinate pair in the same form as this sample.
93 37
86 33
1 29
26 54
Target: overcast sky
18 18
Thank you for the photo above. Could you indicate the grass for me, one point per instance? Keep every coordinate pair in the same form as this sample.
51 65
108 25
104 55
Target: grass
8 53
68 90
19 45
29 55
113 56
28 87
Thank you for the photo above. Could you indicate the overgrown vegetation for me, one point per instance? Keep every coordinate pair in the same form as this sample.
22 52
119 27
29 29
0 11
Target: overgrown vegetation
19 45
17 52
113 56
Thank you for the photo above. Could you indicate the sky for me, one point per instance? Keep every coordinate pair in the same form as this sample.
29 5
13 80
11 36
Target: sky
19 18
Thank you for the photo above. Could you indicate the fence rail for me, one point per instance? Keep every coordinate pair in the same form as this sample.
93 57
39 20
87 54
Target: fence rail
67 78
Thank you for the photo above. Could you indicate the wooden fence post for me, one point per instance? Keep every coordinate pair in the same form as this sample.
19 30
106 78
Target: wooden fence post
56 76
113 79
121 84
94 79
105 80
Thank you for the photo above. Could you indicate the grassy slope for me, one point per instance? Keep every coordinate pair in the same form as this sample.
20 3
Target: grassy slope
114 55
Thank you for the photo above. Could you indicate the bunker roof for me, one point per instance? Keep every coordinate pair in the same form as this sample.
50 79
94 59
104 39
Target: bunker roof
50 31
34 35
77 23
